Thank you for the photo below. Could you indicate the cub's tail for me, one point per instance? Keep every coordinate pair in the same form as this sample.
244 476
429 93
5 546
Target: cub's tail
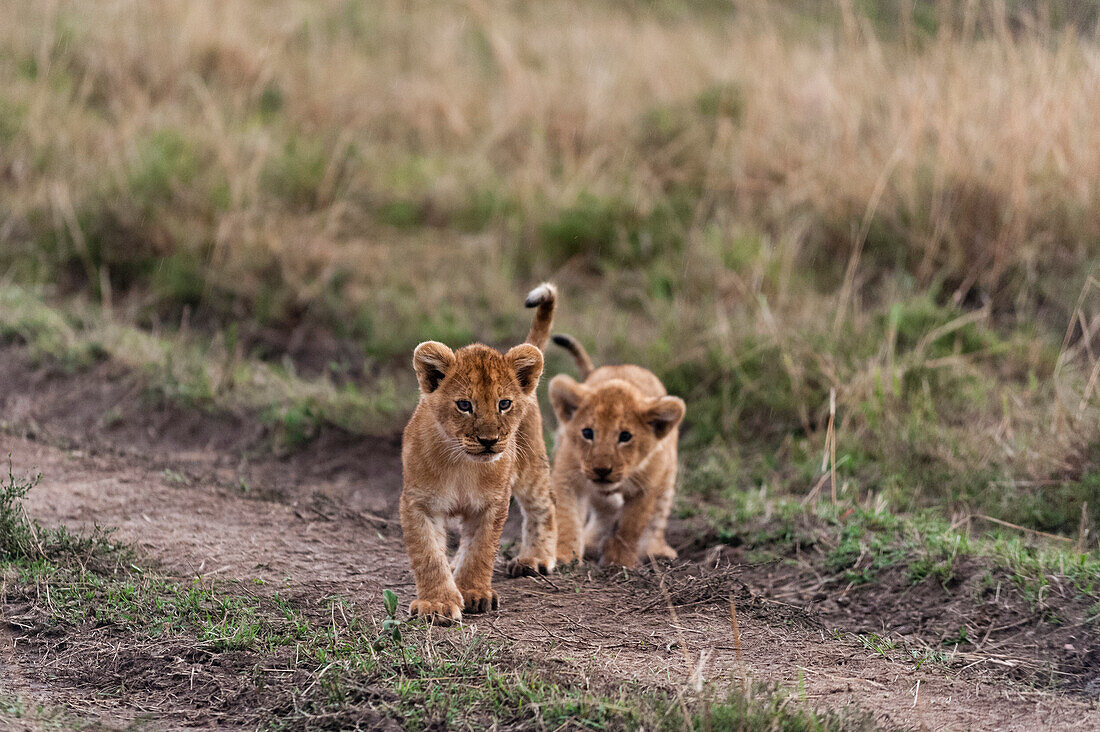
571 344
544 298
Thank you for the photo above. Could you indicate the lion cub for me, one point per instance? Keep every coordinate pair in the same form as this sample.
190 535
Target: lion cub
616 457
474 437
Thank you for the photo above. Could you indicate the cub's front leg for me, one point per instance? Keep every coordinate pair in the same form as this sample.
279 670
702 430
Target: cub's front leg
437 595
621 547
571 508
537 552
477 549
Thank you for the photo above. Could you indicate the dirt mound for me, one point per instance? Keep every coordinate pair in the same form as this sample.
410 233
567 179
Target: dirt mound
981 616
110 409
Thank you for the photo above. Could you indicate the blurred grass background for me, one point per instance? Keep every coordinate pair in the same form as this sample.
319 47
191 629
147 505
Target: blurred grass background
269 204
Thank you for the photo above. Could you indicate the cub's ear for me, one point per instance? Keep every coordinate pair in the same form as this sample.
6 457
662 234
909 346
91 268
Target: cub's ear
566 395
526 361
432 361
664 414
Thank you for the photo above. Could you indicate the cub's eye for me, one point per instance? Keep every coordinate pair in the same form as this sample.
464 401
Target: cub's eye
587 433
625 436
464 406
504 405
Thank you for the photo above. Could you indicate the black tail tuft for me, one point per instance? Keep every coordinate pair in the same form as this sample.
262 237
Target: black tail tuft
580 356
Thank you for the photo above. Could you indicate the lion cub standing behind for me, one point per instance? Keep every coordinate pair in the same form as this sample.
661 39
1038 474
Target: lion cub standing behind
616 455
474 437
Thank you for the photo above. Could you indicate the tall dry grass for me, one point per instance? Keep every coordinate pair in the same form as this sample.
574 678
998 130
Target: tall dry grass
970 158
761 203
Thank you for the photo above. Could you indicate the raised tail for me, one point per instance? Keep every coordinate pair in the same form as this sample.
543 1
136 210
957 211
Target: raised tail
571 344
544 298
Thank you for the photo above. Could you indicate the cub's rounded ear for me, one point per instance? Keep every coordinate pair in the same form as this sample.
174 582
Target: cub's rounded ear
664 414
566 396
432 361
526 361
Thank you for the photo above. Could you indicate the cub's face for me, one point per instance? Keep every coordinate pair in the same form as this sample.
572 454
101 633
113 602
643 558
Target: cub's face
477 395
612 428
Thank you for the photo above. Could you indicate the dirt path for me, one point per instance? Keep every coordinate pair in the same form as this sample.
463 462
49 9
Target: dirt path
594 623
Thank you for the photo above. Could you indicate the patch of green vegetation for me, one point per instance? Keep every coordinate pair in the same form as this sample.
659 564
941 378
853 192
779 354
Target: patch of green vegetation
865 545
295 424
12 118
180 280
393 333
611 233
888 17
196 372
856 543
297 172
23 540
37 716
482 207
722 100
165 161
403 214
271 101
48 334
670 127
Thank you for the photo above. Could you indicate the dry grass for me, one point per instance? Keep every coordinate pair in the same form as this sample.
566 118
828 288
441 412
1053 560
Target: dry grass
762 203
974 159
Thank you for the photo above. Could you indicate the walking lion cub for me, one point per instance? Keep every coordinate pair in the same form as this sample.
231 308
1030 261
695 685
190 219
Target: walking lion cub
474 438
616 456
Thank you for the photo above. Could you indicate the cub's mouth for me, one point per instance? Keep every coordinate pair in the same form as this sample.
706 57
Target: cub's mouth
605 484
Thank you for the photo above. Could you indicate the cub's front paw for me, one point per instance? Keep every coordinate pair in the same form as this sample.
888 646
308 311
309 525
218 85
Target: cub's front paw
479 601
440 612
567 558
528 566
661 551
614 553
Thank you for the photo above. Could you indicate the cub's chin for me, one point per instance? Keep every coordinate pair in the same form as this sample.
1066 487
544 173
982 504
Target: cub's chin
484 457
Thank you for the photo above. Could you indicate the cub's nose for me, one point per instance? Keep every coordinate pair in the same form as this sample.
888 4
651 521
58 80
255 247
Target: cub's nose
488 441
601 472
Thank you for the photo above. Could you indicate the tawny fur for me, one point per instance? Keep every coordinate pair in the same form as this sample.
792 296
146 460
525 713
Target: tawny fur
453 470
613 495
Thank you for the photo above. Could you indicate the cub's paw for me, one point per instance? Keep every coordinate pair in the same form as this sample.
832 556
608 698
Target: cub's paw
529 566
614 555
479 601
564 559
661 551
440 612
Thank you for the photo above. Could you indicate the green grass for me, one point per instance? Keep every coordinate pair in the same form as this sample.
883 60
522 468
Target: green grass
856 542
199 373
17 712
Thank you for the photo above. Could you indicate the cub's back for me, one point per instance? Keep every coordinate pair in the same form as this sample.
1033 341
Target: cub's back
642 379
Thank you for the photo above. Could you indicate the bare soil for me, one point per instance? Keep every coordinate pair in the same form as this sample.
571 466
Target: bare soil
201 495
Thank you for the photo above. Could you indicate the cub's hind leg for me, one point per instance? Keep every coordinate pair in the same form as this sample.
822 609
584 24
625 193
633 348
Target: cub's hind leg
538 546
477 550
